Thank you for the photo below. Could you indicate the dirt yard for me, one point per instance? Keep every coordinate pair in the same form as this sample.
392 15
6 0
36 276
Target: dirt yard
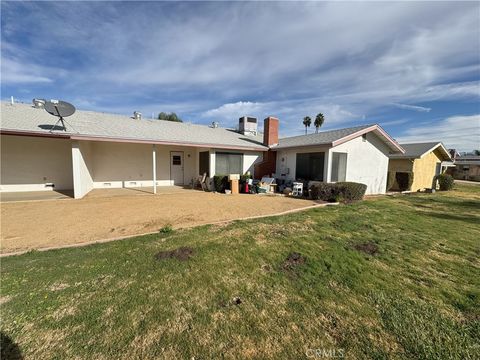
41 224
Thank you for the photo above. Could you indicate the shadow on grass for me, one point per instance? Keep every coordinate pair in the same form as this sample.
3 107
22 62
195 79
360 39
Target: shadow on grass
9 349
448 216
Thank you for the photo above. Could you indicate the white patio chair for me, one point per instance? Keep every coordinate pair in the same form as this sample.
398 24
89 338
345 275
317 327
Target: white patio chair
297 189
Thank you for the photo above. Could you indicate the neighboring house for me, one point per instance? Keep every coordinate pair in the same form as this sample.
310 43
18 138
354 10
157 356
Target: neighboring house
100 150
467 167
424 160
358 154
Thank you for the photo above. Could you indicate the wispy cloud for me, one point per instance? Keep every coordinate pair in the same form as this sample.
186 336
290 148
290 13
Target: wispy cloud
458 132
413 107
22 73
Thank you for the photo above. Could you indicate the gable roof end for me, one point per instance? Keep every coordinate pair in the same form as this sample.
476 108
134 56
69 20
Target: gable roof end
333 138
419 150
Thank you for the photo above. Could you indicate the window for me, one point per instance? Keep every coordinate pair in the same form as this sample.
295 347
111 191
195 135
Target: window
364 137
339 166
309 166
204 163
228 163
176 160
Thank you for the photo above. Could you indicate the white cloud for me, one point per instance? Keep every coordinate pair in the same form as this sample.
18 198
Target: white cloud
458 132
412 107
235 110
14 72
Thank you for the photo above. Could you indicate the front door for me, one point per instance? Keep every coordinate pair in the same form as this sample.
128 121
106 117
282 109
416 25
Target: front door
176 167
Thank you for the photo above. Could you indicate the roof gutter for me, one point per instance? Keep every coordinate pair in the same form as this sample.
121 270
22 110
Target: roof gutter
34 134
128 140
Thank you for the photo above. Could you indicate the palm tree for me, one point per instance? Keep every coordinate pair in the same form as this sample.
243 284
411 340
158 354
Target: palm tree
319 119
307 122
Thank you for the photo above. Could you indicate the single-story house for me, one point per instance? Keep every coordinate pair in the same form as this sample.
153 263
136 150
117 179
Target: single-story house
99 150
424 160
466 167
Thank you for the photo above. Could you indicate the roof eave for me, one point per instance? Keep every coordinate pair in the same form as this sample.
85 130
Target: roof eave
129 140
392 144
279 147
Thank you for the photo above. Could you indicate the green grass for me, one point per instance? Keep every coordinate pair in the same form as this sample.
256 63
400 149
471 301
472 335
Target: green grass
418 297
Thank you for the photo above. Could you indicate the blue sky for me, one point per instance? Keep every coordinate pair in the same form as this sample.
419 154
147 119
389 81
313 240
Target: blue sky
412 67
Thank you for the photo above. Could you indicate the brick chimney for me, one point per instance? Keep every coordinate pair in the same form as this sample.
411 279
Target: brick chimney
270 131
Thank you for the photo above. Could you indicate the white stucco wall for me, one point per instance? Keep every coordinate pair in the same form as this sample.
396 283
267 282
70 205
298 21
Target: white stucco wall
28 163
82 163
249 161
367 162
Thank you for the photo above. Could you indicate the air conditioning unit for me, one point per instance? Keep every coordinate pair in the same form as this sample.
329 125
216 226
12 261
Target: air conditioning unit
247 125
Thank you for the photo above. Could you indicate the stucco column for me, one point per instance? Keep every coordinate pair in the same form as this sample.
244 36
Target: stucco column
154 166
212 162
82 178
327 166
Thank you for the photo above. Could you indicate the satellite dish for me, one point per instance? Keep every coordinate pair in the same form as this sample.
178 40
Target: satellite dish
61 109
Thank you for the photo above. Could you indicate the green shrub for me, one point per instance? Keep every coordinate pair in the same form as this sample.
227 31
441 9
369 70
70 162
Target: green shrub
404 180
220 183
325 192
341 191
166 229
445 182
390 180
350 191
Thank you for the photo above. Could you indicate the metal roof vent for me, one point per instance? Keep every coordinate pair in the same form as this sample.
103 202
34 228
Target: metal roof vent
38 103
137 115
214 124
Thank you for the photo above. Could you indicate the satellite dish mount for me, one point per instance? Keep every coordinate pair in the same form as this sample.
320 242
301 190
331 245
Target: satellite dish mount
61 109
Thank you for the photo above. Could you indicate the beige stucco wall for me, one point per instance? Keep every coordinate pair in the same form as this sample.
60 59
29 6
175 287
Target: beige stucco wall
130 165
28 163
423 169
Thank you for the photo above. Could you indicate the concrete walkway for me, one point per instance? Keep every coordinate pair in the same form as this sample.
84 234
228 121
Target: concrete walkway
95 193
468 182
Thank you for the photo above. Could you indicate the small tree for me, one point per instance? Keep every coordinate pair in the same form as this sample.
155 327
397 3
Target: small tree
307 121
319 119
169 117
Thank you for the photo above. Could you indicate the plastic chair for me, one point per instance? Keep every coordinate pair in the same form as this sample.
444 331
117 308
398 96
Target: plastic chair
297 189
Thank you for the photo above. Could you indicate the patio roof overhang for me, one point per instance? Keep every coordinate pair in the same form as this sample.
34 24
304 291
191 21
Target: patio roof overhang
130 140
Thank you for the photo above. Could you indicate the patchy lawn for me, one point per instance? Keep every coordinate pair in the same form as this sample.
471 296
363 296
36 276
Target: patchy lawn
393 277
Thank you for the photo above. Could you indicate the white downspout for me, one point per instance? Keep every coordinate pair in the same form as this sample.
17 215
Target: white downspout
154 166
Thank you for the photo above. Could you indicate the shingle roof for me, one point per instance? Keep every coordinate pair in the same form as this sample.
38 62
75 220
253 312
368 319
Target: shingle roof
24 118
321 138
417 150
336 137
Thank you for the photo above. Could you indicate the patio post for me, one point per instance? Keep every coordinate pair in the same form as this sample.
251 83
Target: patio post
154 158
